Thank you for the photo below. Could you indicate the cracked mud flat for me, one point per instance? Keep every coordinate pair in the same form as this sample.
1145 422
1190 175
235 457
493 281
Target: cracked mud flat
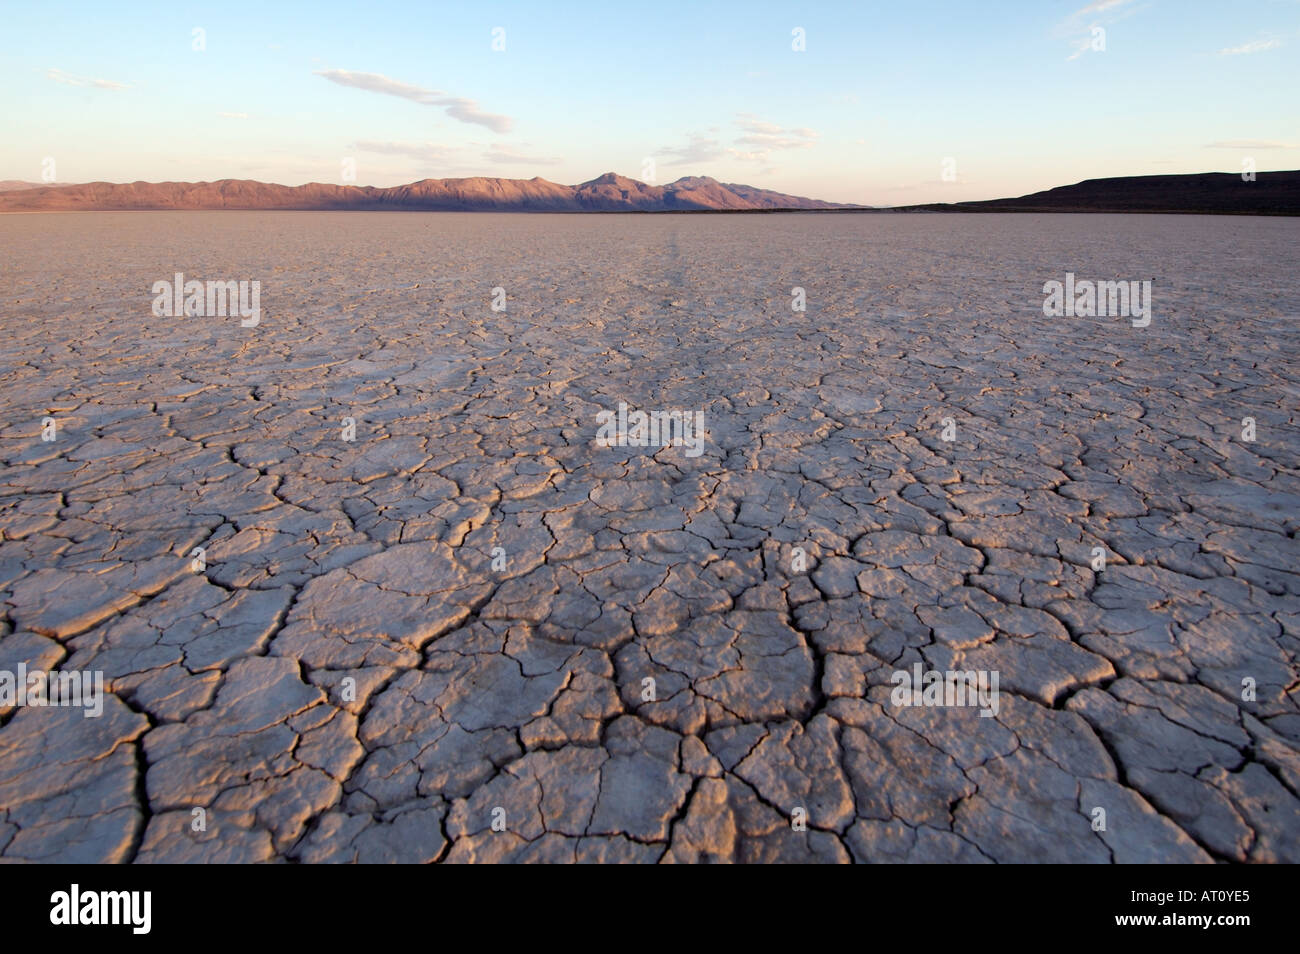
521 689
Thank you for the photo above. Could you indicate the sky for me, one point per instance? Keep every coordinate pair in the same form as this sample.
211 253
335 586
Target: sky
886 103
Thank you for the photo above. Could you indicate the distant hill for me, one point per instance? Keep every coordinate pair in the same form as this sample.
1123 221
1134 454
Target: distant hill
608 193
13 185
1272 193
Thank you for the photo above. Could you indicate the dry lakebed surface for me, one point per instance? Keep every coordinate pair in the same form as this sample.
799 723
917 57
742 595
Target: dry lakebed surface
471 629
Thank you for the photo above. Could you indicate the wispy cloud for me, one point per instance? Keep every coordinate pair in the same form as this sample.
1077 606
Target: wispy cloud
507 156
68 79
1078 28
1080 45
767 136
1251 144
697 149
424 151
378 83
452 156
1100 6
754 140
1255 46
457 107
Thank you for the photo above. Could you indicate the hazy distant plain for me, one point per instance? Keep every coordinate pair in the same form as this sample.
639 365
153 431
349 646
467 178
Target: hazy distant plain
522 688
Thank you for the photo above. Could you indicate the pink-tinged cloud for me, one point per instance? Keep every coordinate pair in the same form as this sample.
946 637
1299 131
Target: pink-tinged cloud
457 107
69 79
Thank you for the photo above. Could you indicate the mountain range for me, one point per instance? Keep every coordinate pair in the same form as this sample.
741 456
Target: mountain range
608 193
1269 193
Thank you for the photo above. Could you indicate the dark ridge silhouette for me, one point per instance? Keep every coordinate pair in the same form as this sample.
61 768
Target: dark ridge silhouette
1220 193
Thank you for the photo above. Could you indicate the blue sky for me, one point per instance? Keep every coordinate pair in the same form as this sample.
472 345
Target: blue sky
1014 93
